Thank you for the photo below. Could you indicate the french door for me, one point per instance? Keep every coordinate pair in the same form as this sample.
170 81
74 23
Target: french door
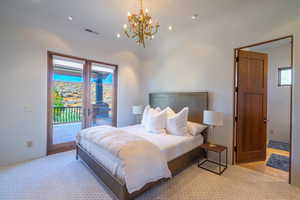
81 94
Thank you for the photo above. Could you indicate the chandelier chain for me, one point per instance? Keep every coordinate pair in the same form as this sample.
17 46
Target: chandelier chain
141 4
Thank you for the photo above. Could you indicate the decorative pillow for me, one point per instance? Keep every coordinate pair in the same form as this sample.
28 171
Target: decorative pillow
170 112
195 128
156 121
177 124
157 109
145 114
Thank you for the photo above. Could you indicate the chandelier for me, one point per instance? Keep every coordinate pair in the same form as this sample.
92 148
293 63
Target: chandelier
140 26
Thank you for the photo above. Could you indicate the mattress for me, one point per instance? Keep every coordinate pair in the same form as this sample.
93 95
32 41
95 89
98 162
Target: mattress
171 146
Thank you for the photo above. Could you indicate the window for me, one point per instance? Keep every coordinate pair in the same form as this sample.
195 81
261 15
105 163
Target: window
284 76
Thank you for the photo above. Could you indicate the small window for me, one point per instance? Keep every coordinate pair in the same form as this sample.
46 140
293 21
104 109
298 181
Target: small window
284 76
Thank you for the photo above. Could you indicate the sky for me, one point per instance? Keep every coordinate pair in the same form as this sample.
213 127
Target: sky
76 79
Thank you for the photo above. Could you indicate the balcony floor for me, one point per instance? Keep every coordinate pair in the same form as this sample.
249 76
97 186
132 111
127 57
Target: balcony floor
67 132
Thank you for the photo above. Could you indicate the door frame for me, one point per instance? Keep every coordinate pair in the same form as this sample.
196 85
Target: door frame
86 69
235 67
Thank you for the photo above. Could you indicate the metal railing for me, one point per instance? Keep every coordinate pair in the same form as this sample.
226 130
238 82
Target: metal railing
66 114
63 115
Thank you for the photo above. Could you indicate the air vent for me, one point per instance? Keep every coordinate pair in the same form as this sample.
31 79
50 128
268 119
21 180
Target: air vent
91 31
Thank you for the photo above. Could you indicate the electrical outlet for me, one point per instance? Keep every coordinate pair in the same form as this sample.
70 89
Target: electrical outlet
29 144
27 109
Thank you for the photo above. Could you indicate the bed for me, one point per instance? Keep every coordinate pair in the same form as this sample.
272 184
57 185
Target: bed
179 151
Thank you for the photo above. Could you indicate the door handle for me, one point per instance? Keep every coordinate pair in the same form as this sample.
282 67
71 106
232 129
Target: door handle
266 120
89 111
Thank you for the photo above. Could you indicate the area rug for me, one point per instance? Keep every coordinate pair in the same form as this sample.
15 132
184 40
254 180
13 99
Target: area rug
279 145
279 162
62 177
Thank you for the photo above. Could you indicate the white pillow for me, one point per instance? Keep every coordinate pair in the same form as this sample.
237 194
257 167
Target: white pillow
156 121
145 114
157 109
177 124
195 128
170 112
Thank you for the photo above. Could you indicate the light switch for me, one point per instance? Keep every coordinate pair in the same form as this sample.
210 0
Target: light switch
29 144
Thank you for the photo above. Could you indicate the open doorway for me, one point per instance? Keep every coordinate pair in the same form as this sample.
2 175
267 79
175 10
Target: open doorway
263 107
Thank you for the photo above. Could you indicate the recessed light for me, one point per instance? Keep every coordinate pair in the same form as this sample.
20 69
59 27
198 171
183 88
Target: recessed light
195 16
118 35
70 18
170 28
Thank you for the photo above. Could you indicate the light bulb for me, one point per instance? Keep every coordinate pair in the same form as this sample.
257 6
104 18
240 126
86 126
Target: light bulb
195 16
150 21
129 14
170 28
146 10
118 35
152 36
125 26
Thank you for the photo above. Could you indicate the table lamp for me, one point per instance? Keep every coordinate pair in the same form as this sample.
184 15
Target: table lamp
212 119
138 111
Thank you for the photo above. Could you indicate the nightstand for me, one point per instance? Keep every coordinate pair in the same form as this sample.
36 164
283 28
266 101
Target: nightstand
218 149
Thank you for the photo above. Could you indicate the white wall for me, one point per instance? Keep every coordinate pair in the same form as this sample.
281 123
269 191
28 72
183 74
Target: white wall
296 109
278 128
278 97
201 57
23 83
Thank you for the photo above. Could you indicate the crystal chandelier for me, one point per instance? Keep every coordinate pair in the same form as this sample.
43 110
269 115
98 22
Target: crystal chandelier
140 26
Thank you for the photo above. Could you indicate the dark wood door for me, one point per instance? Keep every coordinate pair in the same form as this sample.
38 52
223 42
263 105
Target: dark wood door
251 106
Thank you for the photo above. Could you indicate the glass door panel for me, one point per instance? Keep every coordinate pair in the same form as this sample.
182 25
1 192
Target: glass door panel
101 103
67 101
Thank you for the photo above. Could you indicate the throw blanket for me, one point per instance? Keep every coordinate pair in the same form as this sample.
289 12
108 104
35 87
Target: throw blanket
142 161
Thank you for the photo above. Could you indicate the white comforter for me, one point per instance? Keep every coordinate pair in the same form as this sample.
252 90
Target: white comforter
142 161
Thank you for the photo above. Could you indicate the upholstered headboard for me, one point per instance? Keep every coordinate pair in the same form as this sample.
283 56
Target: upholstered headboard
196 101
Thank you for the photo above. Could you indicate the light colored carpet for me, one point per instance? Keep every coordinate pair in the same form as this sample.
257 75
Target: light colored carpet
61 177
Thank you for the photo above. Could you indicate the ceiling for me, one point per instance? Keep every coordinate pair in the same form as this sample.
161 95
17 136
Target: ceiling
108 16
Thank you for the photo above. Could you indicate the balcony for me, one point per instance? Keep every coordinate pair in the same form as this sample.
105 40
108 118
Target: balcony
67 121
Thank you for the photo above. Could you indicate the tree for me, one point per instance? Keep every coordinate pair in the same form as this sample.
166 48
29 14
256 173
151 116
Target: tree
57 98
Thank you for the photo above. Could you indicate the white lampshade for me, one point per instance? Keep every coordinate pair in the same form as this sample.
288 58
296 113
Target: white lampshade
213 118
137 110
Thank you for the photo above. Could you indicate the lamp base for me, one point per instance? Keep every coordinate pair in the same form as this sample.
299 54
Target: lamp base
210 144
138 119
